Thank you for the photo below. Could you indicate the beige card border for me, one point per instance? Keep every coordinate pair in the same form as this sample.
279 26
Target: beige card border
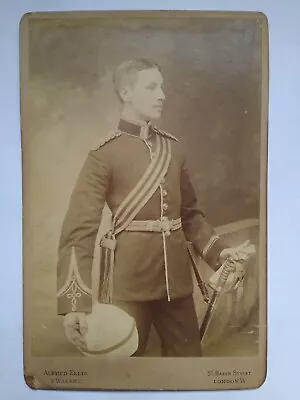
152 373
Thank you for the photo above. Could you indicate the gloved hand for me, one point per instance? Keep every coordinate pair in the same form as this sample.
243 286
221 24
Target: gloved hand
75 325
234 260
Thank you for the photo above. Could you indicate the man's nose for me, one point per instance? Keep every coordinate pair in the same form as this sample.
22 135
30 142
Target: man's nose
161 95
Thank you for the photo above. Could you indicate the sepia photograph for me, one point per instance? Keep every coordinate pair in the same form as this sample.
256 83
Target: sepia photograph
144 162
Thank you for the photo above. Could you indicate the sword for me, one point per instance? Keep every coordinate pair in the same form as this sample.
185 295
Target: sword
199 280
214 299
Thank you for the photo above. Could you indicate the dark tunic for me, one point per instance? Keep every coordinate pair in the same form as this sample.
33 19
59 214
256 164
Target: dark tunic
142 267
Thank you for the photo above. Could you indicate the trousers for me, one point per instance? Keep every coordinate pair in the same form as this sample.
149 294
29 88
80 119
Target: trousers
175 322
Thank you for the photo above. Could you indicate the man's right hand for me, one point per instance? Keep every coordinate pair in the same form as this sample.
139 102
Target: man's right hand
75 325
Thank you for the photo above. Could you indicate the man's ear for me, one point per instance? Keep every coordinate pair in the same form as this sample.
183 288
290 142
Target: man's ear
124 94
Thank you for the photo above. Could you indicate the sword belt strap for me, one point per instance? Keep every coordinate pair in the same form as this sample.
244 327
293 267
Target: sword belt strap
145 188
127 211
165 225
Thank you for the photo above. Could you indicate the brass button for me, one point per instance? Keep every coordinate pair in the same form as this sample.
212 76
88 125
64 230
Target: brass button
163 180
165 206
167 233
164 192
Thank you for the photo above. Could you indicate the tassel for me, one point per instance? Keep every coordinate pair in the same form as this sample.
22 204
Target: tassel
108 245
102 273
110 277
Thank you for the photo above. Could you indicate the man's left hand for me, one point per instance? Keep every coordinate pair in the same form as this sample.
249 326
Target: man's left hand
237 254
235 258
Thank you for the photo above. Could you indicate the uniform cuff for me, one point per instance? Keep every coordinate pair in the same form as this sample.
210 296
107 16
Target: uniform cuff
67 304
212 255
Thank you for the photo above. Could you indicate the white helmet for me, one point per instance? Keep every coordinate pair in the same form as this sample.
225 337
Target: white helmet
110 332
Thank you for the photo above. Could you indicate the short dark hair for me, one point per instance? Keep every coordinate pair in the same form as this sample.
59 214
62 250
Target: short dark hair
127 70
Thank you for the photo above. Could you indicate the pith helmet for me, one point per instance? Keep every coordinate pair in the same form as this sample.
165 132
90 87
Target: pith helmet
110 332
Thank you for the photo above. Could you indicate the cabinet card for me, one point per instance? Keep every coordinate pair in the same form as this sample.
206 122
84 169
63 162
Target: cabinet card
144 154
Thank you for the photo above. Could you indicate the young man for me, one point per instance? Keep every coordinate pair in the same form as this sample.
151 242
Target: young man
140 172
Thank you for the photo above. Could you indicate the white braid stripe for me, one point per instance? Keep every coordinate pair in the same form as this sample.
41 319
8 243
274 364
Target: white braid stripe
209 245
74 277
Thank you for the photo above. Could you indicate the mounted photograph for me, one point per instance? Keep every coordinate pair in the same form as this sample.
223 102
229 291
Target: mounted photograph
144 181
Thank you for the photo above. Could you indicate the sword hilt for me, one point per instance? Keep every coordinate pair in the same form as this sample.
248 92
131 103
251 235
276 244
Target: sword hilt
224 274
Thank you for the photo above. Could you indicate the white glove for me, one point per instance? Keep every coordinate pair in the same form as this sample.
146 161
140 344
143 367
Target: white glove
238 256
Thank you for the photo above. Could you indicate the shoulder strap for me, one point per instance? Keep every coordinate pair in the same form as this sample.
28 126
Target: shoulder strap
106 139
146 186
164 133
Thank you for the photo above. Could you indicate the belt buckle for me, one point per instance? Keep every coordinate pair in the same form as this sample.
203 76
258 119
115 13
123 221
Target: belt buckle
166 226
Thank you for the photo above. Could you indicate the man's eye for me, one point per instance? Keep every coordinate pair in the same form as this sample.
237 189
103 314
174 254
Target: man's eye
151 87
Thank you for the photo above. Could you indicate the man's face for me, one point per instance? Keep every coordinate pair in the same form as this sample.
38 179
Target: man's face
145 95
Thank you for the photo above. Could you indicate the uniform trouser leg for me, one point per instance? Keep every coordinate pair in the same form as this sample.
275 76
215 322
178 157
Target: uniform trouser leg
175 322
177 326
142 313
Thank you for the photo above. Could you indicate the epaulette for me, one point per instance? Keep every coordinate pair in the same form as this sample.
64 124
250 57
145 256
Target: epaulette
106 139
166 134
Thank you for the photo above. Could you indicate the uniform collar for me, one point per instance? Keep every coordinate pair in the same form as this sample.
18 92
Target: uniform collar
143 131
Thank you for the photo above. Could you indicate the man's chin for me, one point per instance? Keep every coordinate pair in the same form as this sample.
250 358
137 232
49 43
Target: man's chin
155 115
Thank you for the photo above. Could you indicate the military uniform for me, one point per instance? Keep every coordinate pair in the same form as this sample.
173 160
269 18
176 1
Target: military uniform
151 262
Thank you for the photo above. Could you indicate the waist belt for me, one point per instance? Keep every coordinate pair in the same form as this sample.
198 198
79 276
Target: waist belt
165 225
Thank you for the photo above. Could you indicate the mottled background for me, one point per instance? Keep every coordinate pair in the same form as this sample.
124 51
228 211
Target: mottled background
212 71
